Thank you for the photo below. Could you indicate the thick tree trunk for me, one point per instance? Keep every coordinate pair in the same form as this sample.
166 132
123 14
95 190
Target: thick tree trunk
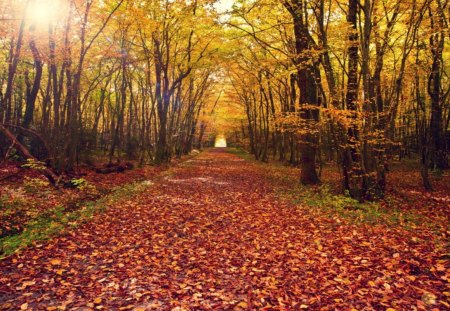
351 157
438 147
306 70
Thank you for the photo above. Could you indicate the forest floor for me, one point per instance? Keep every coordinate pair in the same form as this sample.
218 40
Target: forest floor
32 209
222 232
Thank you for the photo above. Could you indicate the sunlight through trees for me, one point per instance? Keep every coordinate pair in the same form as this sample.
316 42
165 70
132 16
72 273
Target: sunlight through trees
303 82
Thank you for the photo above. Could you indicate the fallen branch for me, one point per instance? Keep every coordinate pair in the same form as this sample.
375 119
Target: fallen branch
33 133
52 177
115 168
6 177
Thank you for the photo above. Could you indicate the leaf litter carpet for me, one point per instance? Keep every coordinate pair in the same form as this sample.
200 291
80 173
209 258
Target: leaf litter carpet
214 236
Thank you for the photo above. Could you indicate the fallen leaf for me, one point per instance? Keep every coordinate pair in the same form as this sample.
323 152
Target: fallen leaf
429 298
243 305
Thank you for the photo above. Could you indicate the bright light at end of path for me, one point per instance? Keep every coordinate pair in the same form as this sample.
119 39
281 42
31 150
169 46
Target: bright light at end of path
221 142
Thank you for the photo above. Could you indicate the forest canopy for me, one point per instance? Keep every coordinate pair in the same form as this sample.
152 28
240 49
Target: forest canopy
356 83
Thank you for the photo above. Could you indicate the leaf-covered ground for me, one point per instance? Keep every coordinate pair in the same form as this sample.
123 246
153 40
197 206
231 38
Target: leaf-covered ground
25 195
217 234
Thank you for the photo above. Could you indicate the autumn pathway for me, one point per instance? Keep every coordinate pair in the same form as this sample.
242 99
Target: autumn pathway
212 235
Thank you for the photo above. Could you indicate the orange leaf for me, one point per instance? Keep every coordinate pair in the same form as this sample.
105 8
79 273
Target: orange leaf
243 305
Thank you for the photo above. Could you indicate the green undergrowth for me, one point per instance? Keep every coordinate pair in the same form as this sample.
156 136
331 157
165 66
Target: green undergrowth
324 201
55 221
321 200
242 154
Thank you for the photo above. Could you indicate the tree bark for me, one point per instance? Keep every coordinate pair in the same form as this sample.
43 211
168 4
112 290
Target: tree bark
309 103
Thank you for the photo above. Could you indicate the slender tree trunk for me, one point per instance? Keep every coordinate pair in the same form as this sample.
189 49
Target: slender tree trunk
14 57
33 92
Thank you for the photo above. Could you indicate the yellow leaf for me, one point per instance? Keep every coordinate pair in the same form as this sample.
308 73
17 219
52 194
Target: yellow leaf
24 306
55 262
445 304
429 298
97 300
28 283
390 309
243 305
60 272
371 283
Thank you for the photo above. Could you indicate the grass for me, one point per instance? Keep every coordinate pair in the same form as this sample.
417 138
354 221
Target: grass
56 221
320 199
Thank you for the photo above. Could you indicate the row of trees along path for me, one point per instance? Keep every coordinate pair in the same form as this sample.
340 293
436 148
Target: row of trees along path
345 90
358 84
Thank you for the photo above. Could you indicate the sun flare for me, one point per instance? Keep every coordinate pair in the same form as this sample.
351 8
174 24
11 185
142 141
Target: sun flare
44 12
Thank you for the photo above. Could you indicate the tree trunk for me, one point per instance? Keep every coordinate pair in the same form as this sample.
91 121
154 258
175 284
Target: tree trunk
306 70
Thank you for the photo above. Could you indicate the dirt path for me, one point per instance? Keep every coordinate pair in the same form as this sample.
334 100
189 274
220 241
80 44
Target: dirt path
213 236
